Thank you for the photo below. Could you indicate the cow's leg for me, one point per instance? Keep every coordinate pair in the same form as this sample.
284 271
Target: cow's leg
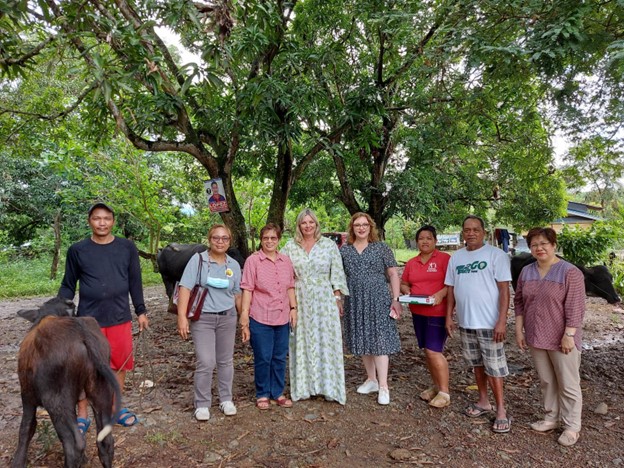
64 420
102 403
26 432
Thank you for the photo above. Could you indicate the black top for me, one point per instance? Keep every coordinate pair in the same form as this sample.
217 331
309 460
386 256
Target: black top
107 273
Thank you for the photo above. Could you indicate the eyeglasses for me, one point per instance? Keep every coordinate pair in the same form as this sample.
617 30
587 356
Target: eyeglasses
361 225
217 239
272 238
541 244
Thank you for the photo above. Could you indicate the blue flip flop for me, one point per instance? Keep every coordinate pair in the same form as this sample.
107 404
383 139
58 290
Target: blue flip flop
127 418
83 425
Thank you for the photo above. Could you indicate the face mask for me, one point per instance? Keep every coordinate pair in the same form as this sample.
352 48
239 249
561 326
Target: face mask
218 283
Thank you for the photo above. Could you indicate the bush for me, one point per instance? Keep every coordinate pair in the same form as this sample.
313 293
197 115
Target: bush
586 246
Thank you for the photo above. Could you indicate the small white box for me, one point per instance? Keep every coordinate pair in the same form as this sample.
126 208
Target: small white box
417 299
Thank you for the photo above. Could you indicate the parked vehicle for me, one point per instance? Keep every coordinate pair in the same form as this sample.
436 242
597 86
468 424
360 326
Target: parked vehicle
339 238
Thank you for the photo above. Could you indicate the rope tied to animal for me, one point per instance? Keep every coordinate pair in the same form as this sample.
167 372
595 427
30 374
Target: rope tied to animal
143 355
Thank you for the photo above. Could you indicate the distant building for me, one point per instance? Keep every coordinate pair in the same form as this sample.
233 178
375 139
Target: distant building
579 215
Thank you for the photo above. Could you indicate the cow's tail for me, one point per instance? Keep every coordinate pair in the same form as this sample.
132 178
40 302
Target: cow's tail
102 367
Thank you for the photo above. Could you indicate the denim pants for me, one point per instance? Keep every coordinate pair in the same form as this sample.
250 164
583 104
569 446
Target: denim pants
270 346
213 336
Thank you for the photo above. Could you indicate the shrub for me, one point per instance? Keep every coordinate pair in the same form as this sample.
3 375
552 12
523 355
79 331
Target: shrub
586 246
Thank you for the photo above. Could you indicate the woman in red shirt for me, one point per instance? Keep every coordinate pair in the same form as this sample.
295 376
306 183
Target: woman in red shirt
424 275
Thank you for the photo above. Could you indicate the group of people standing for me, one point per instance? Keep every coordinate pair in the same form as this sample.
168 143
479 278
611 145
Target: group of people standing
292 302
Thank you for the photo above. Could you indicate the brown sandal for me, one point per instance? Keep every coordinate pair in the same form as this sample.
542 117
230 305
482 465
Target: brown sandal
283 402
263 404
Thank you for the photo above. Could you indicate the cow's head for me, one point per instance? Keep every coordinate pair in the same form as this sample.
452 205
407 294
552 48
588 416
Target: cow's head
58 306
599 282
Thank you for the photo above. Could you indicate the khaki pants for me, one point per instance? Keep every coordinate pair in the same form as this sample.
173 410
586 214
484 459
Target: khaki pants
561 386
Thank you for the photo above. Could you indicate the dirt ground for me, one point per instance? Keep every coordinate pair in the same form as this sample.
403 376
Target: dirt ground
316 433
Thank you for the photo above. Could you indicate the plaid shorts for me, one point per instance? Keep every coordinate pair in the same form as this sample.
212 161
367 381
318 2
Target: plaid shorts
480 349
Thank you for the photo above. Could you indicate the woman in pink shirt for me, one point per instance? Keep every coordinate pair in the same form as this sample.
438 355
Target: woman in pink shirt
269 308
549 306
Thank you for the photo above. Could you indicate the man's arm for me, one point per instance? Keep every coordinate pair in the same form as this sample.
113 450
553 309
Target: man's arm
450 306
500 330
70 279
136 288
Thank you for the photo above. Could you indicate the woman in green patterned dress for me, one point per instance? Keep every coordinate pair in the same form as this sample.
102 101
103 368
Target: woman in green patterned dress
316 355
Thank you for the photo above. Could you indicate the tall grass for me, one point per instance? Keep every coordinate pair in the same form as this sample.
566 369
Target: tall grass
24 277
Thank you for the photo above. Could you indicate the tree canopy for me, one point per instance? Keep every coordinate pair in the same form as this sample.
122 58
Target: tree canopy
422 109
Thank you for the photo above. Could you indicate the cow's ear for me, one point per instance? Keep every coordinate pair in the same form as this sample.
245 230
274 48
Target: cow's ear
70 307
28 314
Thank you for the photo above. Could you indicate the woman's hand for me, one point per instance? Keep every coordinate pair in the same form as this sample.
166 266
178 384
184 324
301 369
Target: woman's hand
293 318
183 326
520 340
397 309
439 297
243 321
245 333
567 344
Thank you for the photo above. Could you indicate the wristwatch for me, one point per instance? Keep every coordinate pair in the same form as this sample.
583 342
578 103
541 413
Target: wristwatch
569 334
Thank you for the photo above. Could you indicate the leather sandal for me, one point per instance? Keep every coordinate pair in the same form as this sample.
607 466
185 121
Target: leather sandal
283 402
428 394
441 400
263 403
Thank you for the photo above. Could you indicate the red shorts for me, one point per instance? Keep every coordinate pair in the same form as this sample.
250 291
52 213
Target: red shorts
120 340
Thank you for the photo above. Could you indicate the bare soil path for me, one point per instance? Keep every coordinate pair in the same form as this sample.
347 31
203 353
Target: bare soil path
317 433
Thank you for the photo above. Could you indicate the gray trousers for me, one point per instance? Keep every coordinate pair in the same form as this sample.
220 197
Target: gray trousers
213 336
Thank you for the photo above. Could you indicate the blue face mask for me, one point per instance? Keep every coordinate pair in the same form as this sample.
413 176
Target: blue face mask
218 283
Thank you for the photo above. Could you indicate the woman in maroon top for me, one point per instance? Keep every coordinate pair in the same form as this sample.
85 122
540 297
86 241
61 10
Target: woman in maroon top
424 275
549 306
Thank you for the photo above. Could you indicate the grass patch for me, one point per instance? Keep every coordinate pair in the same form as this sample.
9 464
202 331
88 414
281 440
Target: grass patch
163 438
403 255
26 277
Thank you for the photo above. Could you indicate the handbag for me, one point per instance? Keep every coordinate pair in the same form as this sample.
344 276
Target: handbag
196 298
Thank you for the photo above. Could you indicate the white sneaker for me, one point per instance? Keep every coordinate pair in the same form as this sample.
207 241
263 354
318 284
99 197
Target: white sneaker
370 386
384 396
228 408
202 414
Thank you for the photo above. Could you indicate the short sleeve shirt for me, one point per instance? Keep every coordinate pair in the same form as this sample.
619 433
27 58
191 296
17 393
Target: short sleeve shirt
217 299
427 279
269 282
474 275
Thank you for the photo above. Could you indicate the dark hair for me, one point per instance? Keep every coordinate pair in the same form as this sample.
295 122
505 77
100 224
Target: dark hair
548 233
214 182
473 217
102 205
271 227
427 227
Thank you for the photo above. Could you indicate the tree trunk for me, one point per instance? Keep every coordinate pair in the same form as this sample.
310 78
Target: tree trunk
56 227
282 184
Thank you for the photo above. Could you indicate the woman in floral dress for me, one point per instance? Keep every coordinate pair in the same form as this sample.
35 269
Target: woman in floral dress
372 307
316 355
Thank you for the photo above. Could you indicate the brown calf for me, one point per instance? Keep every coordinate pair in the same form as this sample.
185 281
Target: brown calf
61 359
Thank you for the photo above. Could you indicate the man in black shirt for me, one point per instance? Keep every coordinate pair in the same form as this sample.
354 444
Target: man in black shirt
108 270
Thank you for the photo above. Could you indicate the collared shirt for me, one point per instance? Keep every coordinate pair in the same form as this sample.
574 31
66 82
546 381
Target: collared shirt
217 300
550 304
427 279
269 282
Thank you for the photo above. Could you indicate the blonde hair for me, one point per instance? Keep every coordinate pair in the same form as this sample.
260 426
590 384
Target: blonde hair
214 227
373 234
300 216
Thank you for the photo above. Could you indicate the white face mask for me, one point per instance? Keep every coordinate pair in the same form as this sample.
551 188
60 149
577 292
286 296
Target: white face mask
218 283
